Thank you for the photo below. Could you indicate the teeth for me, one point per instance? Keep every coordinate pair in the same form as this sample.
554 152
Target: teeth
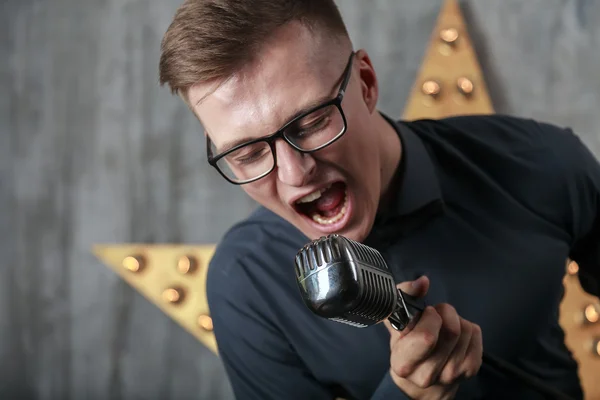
328 221
312 196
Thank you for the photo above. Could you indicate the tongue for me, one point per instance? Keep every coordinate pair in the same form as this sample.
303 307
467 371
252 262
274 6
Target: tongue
330 200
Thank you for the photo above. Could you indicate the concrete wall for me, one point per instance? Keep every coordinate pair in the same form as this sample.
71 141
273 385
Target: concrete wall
92 150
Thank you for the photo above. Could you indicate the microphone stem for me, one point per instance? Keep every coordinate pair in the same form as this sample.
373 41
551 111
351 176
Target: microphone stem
409 306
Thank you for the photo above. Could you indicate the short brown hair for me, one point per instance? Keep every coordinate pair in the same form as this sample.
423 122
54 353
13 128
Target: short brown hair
212 39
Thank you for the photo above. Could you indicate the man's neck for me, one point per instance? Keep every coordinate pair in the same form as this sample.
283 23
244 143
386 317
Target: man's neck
391 153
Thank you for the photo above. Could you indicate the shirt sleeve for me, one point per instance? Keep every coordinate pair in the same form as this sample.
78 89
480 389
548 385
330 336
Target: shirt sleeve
582 182
260 363
387 389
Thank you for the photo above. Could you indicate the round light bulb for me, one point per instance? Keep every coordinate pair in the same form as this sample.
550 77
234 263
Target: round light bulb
187 265
465 86
449 35
133 263
205 322
431 88
591 314
593 346
572 268
173 295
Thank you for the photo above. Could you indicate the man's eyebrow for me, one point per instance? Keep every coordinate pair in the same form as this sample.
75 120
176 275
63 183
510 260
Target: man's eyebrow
314 103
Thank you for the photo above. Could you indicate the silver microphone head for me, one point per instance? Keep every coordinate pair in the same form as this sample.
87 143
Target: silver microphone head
346 281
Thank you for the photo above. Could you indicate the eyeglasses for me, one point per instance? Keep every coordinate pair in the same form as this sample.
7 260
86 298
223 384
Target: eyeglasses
311 131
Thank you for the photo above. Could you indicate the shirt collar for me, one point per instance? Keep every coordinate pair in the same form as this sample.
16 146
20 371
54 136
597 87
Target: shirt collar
416 194
416 180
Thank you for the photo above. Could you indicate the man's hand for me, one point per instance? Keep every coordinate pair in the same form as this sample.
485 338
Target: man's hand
432 355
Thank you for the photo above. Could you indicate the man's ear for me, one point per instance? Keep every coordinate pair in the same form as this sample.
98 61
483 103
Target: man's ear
368 80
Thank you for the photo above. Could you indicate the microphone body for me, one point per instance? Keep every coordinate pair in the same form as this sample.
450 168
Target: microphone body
348 282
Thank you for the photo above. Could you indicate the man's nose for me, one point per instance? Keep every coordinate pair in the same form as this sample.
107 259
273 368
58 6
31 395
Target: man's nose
293 168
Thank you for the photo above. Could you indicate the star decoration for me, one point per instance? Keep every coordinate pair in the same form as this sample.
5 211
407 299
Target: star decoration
449 82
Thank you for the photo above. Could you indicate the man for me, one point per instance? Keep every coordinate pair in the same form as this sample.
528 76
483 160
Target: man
479 214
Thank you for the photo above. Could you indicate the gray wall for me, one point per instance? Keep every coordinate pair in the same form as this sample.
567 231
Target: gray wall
92 150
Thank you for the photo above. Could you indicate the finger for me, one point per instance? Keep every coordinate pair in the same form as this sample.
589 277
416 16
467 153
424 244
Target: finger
408 352
395 334
473 357
428 372
416 288
391 330
453 370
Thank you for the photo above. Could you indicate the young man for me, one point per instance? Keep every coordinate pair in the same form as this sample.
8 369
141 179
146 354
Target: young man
479 214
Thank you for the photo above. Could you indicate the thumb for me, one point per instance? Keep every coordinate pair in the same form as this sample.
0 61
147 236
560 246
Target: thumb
416 288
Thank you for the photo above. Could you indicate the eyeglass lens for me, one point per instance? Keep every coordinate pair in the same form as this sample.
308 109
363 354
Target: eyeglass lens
308 133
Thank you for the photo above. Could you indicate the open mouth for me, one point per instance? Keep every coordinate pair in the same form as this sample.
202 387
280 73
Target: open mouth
326 207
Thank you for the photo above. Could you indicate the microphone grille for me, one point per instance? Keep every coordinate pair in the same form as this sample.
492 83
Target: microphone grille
318 254
376 302
367 255
378 296
348 322
361 289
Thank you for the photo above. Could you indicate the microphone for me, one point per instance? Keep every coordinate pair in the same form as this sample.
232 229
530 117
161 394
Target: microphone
348 282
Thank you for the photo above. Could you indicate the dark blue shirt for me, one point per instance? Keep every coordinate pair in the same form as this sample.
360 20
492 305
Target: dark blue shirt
488 207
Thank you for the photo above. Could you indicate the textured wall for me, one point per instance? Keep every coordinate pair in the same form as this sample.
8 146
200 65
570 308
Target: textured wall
92 150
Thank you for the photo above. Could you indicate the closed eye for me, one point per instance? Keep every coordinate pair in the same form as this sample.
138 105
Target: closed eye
250 156
311 124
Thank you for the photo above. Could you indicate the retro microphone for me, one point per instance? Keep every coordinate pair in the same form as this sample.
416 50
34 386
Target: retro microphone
348 282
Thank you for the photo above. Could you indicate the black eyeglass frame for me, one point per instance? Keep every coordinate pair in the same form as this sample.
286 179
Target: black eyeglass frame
270 140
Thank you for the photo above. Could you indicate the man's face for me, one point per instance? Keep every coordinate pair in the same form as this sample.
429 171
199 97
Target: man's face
333 190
